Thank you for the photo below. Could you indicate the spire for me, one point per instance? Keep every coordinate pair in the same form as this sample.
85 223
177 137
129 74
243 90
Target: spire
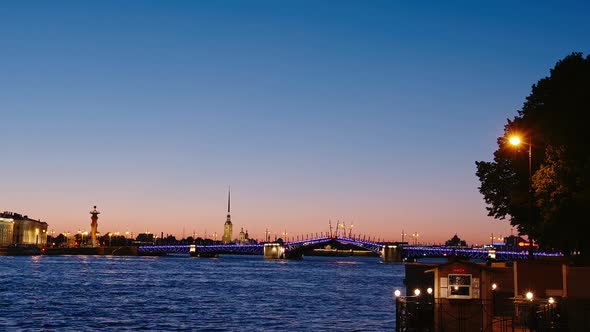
228 200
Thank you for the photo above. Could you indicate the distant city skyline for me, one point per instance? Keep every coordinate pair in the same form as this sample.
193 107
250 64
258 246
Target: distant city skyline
371 113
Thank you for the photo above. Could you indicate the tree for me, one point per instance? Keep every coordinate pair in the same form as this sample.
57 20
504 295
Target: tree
555 118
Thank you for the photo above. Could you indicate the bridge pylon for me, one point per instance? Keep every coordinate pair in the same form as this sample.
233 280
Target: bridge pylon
274 251
391 253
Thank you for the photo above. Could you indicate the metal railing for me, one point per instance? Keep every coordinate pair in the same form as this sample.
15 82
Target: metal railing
426 314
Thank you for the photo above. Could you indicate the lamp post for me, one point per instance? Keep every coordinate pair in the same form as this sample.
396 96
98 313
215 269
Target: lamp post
516 141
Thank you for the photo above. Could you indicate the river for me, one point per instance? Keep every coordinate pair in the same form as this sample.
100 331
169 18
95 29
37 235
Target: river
231 293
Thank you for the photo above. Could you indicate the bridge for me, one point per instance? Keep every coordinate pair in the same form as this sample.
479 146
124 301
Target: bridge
289 250
416 252
389 252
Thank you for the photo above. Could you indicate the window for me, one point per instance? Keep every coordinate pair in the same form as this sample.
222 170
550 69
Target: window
459 286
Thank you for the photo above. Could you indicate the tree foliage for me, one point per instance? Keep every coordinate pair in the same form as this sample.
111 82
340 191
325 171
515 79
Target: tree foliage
555 118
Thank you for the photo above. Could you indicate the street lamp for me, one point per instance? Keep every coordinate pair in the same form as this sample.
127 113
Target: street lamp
516 141
415 236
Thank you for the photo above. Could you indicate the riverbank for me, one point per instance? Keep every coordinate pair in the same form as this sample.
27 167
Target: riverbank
115 251
20 251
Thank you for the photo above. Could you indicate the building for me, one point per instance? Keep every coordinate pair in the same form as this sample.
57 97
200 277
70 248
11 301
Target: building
243 237
21 230
516 243
228 227
6 229
145 238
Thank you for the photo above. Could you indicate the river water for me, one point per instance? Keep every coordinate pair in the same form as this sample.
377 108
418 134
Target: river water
231 293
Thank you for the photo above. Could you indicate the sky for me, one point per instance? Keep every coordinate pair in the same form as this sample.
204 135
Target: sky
370 113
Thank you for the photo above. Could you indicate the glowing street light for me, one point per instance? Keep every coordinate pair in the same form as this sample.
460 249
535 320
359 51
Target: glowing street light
529 296
397 293
417 292
429 291
516 141
494 286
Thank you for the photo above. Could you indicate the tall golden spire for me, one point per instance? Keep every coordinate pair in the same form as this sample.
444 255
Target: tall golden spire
228 227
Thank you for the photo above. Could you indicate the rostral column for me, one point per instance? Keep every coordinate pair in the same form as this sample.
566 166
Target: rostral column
94 226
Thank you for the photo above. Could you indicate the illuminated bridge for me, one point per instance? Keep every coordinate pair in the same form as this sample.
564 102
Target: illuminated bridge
389 252
416 252
293 249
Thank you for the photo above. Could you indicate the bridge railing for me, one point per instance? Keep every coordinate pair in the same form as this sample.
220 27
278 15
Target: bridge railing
372 246
425 251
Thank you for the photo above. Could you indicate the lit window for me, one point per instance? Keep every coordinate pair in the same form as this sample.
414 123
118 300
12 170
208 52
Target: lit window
459 286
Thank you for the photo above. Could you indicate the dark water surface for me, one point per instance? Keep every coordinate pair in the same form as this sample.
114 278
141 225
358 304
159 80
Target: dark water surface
232 293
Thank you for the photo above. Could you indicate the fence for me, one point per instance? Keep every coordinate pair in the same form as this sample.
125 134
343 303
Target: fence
426 314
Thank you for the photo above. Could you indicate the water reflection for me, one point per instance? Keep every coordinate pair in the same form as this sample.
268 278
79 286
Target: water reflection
225 294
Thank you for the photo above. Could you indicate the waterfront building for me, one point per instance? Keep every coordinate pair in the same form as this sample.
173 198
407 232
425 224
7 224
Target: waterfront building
6 229
516 243
145 238
228 227
18 229
243 237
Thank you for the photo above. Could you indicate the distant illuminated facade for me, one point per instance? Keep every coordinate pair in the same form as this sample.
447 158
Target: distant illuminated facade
6 229
243 237
228 227
18 229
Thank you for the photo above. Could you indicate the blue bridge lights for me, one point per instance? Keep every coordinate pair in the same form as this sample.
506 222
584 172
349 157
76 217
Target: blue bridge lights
295 249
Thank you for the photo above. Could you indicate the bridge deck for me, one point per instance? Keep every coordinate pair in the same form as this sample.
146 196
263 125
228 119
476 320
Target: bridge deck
406 251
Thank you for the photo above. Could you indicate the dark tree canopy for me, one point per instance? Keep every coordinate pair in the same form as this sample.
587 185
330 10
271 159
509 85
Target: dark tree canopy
556 119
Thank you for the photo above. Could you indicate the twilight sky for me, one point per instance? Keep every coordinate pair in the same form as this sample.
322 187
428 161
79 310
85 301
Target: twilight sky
367 112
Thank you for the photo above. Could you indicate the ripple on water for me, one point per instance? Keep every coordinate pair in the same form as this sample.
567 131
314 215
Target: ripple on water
175 294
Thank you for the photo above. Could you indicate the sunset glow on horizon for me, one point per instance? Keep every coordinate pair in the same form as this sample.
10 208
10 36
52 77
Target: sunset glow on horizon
371 114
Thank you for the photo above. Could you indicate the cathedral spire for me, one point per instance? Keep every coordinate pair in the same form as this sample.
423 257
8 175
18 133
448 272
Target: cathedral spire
228 227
